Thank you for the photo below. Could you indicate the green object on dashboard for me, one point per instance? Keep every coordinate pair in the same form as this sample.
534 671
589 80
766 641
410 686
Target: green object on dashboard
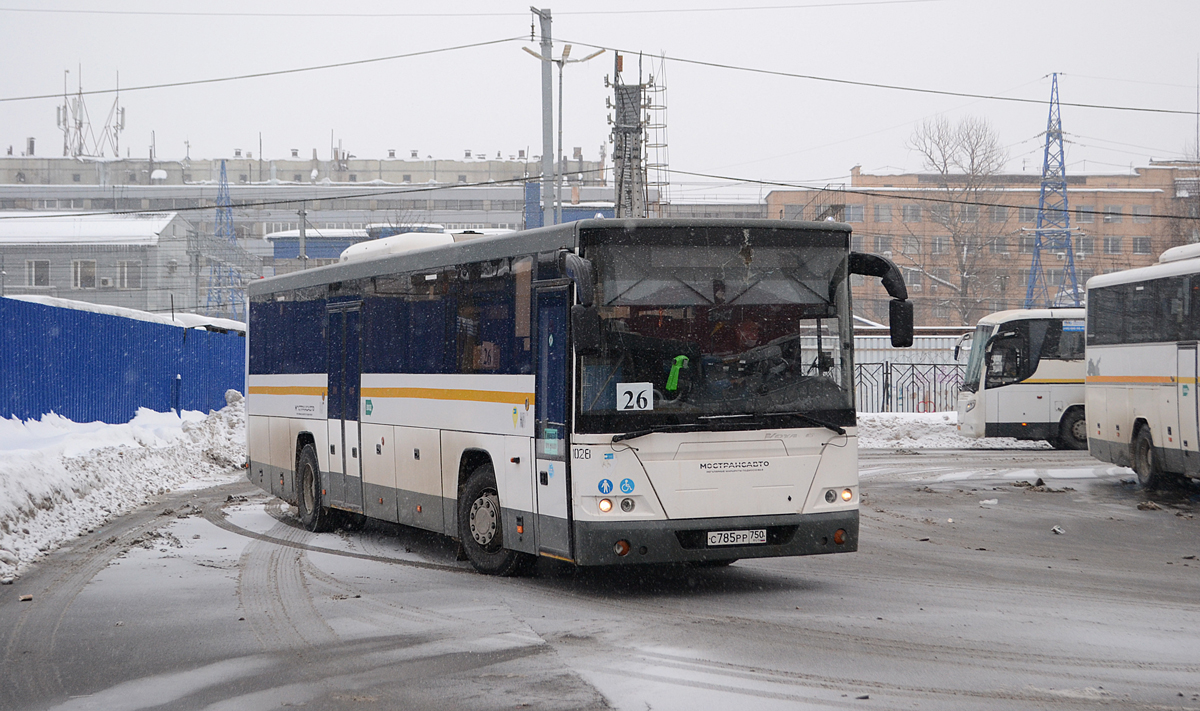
681 362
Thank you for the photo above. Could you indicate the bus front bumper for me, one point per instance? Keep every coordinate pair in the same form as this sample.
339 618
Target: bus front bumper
686 540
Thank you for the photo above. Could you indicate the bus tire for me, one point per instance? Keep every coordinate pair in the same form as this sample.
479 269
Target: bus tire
1072 431
1145 461
313 515
481 529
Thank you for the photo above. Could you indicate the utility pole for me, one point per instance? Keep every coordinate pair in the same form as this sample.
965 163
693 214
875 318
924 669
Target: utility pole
303 221
548 167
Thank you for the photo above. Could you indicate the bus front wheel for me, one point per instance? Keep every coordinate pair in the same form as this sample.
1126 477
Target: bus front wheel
1072 431
481 529
313 515
1145 461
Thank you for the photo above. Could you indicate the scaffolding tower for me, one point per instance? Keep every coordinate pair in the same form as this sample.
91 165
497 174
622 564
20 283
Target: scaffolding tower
628 137
1053 232
657 156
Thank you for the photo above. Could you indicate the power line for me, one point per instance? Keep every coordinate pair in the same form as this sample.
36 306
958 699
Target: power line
371 15
900 195
894 87
279 72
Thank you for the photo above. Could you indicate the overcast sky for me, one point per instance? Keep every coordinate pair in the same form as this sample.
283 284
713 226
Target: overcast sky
719 121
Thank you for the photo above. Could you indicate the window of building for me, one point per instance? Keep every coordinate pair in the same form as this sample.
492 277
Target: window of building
37 272
883 213
883 243
857 280
939 277
914 280
1141 245
1027 244
462 178
856 243
297 178
242 178
407 178
83 274
912 213
1112 213
1112 245
939 244
970 213
353 178
1085 245
76 177
1141 214
910 244
998 213
1085 213
1027 214
129 275
854 213
998 245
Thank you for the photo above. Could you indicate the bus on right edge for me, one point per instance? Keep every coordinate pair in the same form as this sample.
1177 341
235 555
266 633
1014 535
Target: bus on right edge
1142 330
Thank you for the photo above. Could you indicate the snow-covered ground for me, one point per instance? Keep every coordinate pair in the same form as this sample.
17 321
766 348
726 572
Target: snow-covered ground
927 430
59 479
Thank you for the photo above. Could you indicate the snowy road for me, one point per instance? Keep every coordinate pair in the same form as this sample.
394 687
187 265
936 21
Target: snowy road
961 597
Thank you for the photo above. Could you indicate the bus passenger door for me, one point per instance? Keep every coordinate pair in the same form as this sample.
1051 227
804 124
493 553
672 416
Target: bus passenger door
551 402
1189 423
345 460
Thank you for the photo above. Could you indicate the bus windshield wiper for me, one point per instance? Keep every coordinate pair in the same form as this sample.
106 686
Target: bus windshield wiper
811 420
691 427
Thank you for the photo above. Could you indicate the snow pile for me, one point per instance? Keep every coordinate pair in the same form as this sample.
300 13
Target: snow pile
927 430
59 479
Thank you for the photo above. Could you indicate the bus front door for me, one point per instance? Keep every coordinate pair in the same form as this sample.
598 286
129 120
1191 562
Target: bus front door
1189 423
551 405
345 468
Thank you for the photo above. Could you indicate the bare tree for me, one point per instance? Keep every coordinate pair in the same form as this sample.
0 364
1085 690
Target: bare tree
966 160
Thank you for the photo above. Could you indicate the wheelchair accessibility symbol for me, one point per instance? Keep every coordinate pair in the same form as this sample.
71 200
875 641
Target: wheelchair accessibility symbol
627 486
605 486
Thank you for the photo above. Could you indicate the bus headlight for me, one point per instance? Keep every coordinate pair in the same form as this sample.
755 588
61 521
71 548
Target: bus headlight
605 505
847 494
627 505
970 405
830 496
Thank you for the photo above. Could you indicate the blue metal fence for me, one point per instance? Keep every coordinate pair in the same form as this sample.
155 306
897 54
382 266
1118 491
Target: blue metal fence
88 366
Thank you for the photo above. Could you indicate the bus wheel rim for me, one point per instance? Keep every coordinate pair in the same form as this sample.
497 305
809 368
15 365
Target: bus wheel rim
485 519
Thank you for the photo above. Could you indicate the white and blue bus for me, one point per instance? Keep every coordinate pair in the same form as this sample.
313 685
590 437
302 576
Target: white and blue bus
1142 329
599 392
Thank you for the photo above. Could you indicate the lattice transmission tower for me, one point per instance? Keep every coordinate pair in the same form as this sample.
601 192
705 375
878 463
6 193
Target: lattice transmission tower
226 288
1053 232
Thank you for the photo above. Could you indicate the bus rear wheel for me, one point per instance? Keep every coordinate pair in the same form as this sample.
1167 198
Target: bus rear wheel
481 529
313 515
1072 431
1145 461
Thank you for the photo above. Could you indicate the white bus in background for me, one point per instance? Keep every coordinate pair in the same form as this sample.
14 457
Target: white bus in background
1143 327
1025 377
600 392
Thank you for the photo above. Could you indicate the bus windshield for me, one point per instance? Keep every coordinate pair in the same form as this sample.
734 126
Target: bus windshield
975 361
718 326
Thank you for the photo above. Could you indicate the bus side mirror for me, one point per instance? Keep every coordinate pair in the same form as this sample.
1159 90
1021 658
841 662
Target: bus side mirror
580 271
900 323
585 329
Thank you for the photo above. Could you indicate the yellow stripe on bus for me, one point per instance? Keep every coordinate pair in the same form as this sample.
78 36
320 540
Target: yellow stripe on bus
449 394
1051 381
1133 379
287 390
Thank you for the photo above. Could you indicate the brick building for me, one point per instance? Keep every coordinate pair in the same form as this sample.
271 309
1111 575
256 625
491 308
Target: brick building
949 245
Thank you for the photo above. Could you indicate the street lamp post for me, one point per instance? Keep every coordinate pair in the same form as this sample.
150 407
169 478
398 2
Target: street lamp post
556 214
